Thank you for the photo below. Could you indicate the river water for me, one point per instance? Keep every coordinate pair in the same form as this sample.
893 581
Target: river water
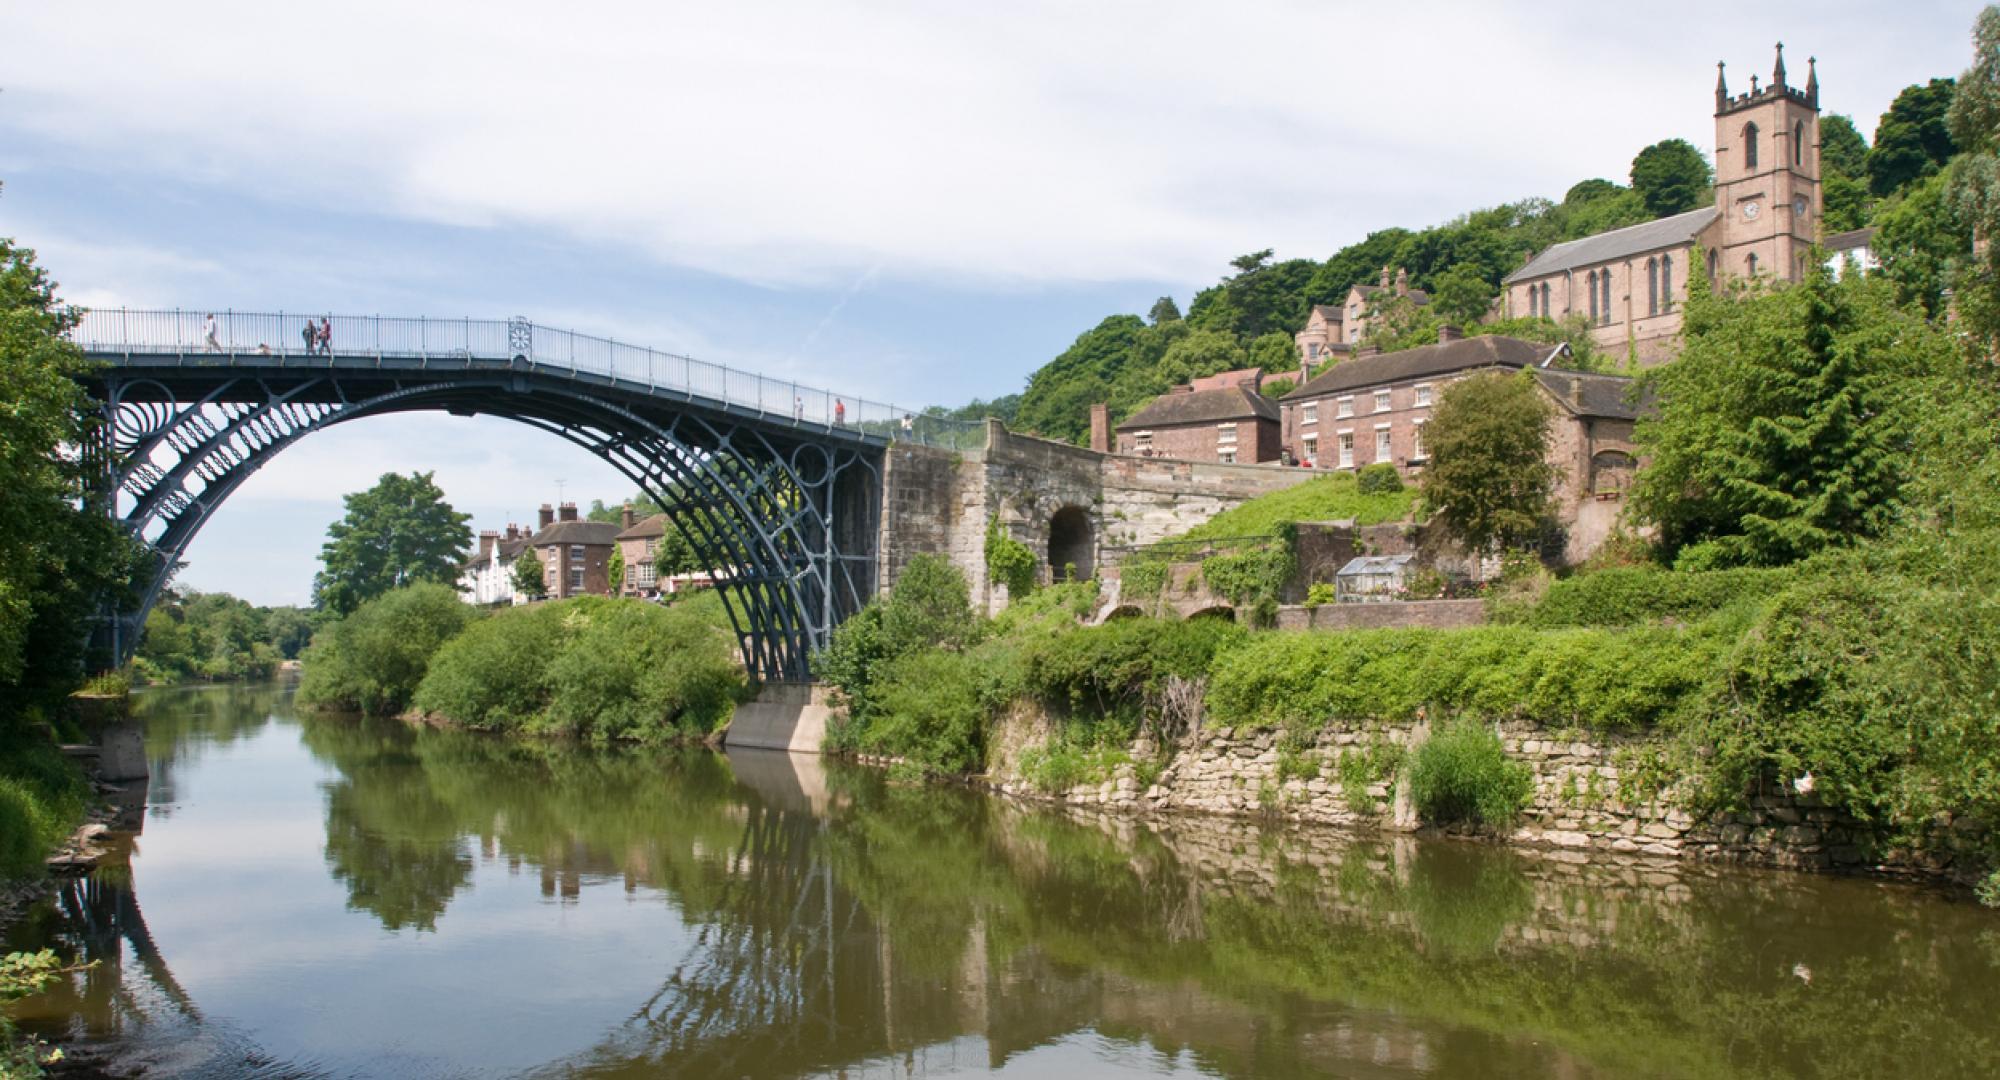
324 896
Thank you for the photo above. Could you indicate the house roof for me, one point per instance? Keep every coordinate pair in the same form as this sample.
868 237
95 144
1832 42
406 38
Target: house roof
1203 407
1667 232
1463 354
1223 380
1329 312
508 550
1419 296
1581 393
1849 240
654 525
576 532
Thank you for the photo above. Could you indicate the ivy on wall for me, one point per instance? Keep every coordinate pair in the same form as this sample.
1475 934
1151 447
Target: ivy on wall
1008 561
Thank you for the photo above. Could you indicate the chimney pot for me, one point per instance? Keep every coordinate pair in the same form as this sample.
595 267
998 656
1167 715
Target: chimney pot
568 511
625 516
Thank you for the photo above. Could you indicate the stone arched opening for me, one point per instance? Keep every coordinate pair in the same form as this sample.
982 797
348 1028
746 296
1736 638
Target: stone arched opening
1072 544
1219 611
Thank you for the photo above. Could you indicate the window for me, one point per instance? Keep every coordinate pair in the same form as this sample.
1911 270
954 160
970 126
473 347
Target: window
1417 441
1343 407
1799 143
1714 264
1604 286
1423 392
1309 413
1142 442
652 546
1590 286
576 579
1346 450
1381 401
1226 455
1751 262
1547 313
648 575
1666 283
1749 146
631 573
1534 302
576 553
1309 449
1384 447
1225 434
1652 286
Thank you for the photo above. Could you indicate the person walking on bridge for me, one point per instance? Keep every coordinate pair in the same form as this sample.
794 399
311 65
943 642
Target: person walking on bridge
839 413
208 334
310 334
325 336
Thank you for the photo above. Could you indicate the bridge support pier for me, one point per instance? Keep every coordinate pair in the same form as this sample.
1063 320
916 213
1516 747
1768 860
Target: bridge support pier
784 716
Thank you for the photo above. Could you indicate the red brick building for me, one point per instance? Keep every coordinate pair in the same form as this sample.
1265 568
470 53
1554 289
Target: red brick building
1218 418
575 555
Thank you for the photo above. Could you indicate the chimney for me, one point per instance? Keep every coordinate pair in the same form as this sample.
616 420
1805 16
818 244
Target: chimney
1100 428
568 512
1385 275
1368 350
513 531
1402 282
625 517
545 517
486 541
1448 332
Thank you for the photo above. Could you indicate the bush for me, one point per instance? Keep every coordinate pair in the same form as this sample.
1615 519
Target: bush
1378 479
1120 667
41 798
1009 562
1461 775
929 711
494 674
372 660
1634 596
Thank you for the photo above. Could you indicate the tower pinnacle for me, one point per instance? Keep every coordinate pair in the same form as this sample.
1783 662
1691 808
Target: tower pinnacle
1812 82
1721 89
1778 72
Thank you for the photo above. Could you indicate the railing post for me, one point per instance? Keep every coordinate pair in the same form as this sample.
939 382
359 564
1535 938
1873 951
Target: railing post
378 339
423 341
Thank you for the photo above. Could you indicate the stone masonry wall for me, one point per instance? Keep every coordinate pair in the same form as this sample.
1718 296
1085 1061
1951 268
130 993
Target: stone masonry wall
1590 797
1431 614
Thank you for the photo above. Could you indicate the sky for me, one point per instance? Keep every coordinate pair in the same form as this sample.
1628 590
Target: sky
912 202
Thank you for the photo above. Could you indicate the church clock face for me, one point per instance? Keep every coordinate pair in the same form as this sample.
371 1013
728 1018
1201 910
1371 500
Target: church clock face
1750 210
1799 206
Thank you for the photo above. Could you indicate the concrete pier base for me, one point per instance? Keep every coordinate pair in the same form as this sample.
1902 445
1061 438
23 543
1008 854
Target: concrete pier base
785 716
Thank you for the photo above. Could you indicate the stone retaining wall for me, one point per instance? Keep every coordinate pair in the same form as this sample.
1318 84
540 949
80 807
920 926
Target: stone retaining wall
1430 614
1591 796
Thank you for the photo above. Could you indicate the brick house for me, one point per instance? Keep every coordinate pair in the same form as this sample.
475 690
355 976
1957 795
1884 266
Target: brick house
1338 328
639 541
1219 418
575 555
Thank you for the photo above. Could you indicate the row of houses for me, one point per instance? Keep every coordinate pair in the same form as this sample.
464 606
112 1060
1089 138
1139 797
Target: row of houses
575 555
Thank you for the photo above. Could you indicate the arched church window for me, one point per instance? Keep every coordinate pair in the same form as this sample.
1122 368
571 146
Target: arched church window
1590 286
1666 283
1652 286
1534 301
1751 262
1604 285
1749 146
1713 265
1799 143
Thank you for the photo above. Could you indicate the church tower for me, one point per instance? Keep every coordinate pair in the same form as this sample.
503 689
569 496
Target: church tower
1766 175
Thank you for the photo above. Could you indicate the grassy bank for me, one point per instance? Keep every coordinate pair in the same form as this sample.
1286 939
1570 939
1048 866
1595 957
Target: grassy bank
591 667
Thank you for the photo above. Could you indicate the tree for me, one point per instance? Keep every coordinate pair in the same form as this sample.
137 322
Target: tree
1275 351
1671 177
1843 171
1059 395
1974 191
1488 478
1921 243
1782 427
1203 352
397 533
528 574
61 557
1462 296
615 570
1164 311
1913 139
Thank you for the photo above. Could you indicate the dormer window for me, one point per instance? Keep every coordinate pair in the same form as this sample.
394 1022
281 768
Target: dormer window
1749 146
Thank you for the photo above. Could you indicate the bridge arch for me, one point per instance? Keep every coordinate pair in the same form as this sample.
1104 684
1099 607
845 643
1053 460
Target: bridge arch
1072 543
785 504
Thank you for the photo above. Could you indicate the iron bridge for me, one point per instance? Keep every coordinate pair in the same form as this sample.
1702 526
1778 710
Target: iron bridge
779 483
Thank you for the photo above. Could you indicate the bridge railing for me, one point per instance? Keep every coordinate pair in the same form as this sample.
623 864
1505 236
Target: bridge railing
279 337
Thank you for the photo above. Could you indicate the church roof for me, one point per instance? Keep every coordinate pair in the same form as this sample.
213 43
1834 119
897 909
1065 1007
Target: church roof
1203 407
1667 232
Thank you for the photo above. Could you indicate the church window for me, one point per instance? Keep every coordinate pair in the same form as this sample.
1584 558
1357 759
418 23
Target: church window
1666 283
1652 286
1751 262
1749 146
1534 302
1590 286
1604 286
1713 265
1799 143
1546 312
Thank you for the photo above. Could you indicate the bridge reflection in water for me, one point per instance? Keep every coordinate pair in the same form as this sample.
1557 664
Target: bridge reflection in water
840 925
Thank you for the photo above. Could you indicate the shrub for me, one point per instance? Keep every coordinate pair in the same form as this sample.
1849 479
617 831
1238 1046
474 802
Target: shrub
1064 762
1323 498
372 660
41 798
1632 596
928 710
1321 592
1142 578
1122 666
1461 775
1378 478
1008 561
495 674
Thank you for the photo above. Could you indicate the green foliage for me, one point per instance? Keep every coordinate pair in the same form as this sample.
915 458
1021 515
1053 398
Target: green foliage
1252 578
1143 578
1672 177
1164 310
929 607
397 533
1461 775
1275 351
1121 667
614 569
1640 597
22 975
530 577
213 636
1913 139
1320 592
1359 767
1974 184
372 661
1378 478
1323 498
494 673
1779 427
1843 170
1488 479
1922 243
41 799
1008 561
1462 295
928 710
1064 763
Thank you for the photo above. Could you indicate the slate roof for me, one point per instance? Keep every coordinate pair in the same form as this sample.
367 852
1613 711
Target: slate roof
1226 379
1667 232
1848 241
655 525
1203 407
576 532
1329 312
1444 358
509 549
1598 396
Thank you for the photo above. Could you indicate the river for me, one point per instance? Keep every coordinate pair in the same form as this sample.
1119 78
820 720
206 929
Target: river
316 896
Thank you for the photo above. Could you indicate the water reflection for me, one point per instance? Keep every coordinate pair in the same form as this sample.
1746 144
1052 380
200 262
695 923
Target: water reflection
640 913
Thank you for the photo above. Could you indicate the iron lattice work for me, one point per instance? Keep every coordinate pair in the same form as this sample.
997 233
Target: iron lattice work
788 511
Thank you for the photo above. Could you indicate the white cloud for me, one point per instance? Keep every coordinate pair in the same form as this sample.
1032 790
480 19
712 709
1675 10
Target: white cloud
1028 142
